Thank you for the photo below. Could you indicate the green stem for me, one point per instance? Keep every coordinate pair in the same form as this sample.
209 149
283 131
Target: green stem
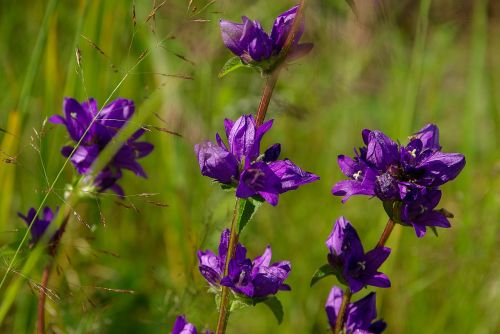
340 317
225 305
271 80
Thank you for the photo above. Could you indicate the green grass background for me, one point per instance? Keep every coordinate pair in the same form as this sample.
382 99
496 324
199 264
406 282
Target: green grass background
396 67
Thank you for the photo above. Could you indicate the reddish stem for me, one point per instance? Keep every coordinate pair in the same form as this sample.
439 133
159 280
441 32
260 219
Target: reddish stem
387 232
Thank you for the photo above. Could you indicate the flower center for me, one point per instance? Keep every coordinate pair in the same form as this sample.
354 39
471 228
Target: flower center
357 175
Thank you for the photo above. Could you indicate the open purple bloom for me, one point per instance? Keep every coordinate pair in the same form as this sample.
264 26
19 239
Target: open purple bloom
409 175
96 135
40 223
257 278
348 258
359 316
251 43
181 326
240 163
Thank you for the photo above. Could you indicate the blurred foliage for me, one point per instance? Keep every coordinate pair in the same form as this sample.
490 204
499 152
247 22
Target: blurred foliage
131 266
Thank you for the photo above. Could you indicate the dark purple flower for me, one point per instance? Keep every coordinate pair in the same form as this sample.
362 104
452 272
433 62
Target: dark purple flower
240 164
348 258
409 175
78 121
359 316
257 278
181 326
251 43
39 223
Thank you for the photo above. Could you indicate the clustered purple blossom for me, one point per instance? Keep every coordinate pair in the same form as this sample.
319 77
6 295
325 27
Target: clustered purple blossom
257 278
359 316
408 176
240 163
251 43
348 258
97 129
181 326
40 223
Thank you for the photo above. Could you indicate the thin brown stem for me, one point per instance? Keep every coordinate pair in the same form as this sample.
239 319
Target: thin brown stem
53 245
387 232
224 302
343 307
41 301
273 76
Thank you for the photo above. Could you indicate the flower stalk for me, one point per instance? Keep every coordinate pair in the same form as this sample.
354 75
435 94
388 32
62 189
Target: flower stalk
340 317
225 305
386 233
271 80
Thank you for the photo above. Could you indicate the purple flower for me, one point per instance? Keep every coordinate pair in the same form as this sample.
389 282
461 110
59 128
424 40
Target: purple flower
347 257
359 315
78 119
240 163
181 326
40 223
251 43
409 175
255 279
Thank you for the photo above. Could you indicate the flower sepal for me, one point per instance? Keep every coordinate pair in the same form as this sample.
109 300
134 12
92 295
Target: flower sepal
327 270
239 302
393 210
265 67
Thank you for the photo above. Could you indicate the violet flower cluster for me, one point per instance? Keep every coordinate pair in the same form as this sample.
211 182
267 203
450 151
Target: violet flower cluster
409 176
241 165
359 316
252 44
94 129
181 326
347 257
254 279
40 223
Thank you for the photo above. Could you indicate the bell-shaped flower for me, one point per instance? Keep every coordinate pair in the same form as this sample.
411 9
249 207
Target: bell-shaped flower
94 129
253 279
252 44
181 326
408 175
353 266
359 316
40 223
241 165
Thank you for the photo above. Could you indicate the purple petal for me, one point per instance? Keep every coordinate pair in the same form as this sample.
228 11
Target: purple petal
256 178
344 241
77 119
117 113
291 175
379 280
263 260
215 162
272 153
333 304
349 188
440 168
224 242
361 313
231 34
376 257
382 150
210 266
181 326
429 136
282 27
242 136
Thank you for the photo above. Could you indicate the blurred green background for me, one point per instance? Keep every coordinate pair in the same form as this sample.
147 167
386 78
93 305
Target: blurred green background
395 67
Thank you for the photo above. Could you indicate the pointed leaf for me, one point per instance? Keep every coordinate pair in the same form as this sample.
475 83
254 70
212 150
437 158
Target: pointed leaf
275 305
246 210
322 272
434 230
231 65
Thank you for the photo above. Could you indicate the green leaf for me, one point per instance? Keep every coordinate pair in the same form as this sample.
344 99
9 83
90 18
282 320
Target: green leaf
231 65
246 210
275 305
322 272
240 303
